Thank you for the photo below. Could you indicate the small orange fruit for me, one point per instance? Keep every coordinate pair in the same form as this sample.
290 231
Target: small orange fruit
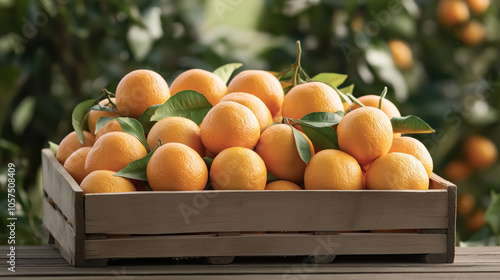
229 124
480 152
261 84
473 33
401 54
282 185
204 82
94 115
238 168
365 133
75 164
104 181
70 144
114 151
412 146
311 97
465 203
452 12
140 89
176 129
111 126
478 6
176 167
372 101
277 148
457 171
333 170
397 171
253 103
476 221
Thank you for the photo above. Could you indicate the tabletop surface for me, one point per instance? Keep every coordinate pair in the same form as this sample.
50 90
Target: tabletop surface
44 262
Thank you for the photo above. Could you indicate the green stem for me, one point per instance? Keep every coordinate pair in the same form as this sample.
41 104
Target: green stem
382 96
297 64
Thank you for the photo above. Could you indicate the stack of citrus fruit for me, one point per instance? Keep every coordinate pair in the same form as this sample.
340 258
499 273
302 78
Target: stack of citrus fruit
203 134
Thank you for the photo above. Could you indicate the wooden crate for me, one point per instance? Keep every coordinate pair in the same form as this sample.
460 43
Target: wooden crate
90 229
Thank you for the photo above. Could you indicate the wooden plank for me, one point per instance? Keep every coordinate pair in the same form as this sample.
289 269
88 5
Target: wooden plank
219 211
452 221
264 245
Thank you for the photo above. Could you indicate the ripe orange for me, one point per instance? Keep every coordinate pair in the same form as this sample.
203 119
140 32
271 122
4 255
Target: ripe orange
457 171
176 167
365 133
110 126
104 181
254 104
229 124
476 221
204 82
452 12
277 148
478 6
94 115
140 89
282 185
114 151
333 170
261 84
401 54
238 168
472 33
465 203
311 97
397 171
412 146
70 144
75 164
176 129
372 101
480 152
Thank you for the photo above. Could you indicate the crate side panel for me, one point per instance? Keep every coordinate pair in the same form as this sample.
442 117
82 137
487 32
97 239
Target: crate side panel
229 211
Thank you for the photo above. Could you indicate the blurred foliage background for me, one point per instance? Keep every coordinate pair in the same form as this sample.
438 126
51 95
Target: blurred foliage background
440 60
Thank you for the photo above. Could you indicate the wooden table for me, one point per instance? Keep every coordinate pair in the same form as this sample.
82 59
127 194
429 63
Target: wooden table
44 262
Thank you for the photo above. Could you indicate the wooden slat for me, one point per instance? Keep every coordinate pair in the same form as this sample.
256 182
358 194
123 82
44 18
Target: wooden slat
265 245
212 211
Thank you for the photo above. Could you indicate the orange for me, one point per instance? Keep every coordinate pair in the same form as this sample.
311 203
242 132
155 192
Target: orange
480 152
176 167
104 181
282 185
401 54
471 34
254 104
365 133
75 164
452 12
476 221
465 203
204 82
110 126
412 146
311 97
176 129
457 171
333 170
277 148
94 115
397 171
478 6
238 168
114 151
70 144
261 84
140 89
229 124
372 101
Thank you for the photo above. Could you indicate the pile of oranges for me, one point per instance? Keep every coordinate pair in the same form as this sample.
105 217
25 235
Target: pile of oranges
250 138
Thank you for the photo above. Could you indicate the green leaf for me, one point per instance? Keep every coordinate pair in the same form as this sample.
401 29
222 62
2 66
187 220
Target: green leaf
140 41
102 121
410 124
23 114
271 177
225 71
322 137
382 96
492 214
145 118
187 103
79 116
330 78
302 145
346 90
136 169
322 119
208 161
53 147
99 107
134 128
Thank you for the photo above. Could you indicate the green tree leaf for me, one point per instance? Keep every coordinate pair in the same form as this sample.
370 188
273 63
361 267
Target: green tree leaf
208 161
271 177
99 107
322 137
187 103
53 147
79 117
140 41
410 124
145 118
23 114
302 145
102 121
225 71
346 90
492 214
134 128
322 119
136 169
333 79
